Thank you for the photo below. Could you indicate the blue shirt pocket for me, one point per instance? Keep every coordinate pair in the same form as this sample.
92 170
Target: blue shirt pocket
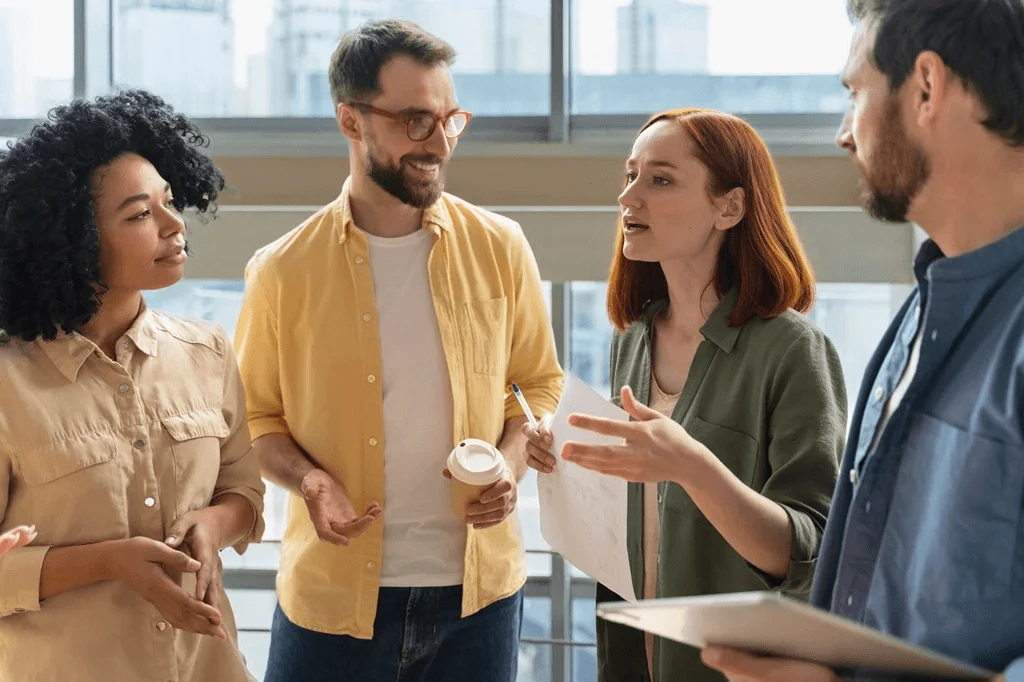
953 528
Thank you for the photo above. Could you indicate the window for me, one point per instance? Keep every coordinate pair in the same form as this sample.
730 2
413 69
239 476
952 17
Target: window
742 56
584 629
535 656
270 58
36 56
590 335
854 316
212 300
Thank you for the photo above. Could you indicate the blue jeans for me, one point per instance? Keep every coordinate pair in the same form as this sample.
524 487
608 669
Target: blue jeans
418 636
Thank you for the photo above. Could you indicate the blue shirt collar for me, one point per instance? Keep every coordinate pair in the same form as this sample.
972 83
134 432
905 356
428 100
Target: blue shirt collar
990 260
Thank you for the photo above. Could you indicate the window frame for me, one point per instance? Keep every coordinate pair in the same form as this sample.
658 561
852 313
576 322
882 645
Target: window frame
94 52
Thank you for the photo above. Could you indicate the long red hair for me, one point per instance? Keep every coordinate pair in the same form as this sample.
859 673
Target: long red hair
761 254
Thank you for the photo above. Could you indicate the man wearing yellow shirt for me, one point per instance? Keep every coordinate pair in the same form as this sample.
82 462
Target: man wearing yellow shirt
373 338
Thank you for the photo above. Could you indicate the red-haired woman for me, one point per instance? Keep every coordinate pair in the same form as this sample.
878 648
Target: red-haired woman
738 400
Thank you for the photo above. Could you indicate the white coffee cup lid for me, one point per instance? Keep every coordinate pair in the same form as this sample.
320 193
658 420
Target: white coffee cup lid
476 462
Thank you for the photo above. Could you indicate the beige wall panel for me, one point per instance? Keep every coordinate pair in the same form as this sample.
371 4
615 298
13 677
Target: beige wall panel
534 180
575 243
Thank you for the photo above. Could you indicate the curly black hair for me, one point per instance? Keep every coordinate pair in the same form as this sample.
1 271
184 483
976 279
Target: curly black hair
50 277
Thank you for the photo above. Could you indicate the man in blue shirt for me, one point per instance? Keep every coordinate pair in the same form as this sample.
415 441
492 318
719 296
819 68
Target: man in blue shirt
925 540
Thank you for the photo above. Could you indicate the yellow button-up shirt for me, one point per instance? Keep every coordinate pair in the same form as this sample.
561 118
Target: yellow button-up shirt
95 449
309 351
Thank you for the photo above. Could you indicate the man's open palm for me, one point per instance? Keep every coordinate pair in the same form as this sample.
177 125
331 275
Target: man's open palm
332 513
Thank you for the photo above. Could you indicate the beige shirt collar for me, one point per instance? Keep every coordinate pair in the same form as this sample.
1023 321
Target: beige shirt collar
68 352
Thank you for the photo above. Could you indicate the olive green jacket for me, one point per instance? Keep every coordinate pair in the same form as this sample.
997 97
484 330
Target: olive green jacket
768 399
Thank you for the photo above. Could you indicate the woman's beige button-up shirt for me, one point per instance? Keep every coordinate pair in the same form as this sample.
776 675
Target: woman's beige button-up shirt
93 449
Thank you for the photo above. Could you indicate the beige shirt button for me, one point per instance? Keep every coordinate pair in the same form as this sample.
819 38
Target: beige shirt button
369 564
161 626
139 443
149 502
366 317
371 378
124 388
124 345
359 260
373 441
18 609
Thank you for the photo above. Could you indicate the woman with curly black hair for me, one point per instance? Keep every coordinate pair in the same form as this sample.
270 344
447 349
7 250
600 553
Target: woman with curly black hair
122 431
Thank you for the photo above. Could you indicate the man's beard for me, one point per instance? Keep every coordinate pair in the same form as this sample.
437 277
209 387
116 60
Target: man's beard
899 169
392 180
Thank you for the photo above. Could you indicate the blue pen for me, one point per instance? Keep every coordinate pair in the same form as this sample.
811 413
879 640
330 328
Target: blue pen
525 406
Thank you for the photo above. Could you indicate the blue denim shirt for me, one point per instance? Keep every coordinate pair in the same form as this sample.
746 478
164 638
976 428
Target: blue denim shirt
925 539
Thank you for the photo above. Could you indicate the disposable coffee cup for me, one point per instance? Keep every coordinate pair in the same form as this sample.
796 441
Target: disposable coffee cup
475 466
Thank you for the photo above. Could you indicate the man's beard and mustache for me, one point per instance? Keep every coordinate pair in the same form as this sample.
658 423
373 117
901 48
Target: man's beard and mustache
390 178
899 170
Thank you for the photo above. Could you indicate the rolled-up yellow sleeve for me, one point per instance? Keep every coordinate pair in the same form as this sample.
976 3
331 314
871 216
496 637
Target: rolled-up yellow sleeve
533 362
239 464
256 338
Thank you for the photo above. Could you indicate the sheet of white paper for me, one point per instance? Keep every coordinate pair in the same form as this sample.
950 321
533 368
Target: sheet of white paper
583 513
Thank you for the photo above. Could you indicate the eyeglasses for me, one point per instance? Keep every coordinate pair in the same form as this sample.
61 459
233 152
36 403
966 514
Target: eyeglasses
421 126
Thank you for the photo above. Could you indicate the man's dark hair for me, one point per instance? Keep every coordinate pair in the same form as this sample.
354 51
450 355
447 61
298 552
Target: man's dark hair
363 51
49 242
981 41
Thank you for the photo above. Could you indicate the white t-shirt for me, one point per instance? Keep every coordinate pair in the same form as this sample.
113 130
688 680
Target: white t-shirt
901 388
424 541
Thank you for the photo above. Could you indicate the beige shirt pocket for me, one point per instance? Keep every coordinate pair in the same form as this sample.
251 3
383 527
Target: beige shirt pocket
195 439
77 486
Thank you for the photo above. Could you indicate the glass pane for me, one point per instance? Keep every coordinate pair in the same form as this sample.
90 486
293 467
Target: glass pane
255 647
534 658
37 60
534 663
254 612
529 520
584 629
213 300
590 340
529 504
270 57
743 56
254 609
854 316
590 335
